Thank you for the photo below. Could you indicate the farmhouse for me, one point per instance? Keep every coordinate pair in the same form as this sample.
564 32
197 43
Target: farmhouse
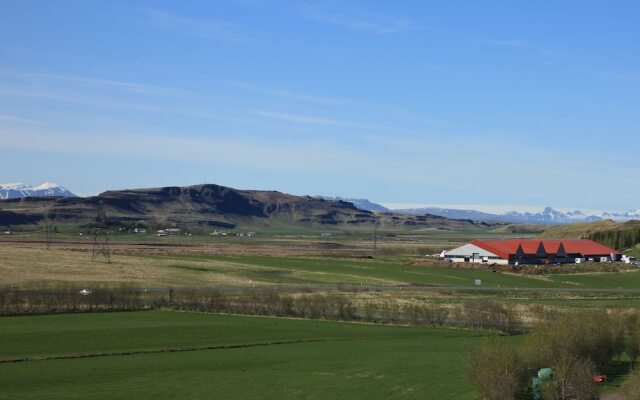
516 252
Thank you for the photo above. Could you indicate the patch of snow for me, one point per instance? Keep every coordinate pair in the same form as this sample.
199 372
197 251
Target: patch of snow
20 190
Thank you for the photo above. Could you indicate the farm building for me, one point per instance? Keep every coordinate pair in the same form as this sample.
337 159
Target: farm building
516 252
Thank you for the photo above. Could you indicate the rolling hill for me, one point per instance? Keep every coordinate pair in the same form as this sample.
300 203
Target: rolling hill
618 235
578 231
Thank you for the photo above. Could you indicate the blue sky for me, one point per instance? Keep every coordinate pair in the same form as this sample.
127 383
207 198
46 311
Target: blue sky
465 102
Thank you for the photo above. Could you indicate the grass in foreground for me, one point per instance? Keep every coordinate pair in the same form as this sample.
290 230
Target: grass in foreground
314 359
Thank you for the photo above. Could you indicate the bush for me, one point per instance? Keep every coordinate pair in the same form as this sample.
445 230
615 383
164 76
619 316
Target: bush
496 369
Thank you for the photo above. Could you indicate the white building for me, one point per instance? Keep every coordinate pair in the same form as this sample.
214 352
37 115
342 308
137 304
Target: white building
518 252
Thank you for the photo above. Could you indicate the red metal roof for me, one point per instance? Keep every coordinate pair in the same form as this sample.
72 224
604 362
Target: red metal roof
586 247
505 248
552 246
501 248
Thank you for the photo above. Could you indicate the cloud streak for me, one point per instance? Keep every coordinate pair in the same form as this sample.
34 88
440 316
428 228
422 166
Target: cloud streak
208 29
312 98
310 156
375 23
513 43
402 164
125 86
103 102
320 121
307 119
550 51
13 118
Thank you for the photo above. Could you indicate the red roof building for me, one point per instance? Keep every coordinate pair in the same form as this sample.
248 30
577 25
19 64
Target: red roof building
531 251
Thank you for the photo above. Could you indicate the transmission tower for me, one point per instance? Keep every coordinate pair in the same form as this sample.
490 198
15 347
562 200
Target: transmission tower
375 238
101 235
48 228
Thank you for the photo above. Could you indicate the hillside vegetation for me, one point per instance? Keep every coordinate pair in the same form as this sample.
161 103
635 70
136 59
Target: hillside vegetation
618 235
577 231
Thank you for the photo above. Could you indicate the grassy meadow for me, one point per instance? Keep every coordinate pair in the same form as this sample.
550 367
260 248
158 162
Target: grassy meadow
28 267
168 354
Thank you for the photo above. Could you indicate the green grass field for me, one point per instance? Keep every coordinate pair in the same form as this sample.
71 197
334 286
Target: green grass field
389 271
268 358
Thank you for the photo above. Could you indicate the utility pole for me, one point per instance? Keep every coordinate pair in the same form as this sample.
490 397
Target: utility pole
375 239
101 235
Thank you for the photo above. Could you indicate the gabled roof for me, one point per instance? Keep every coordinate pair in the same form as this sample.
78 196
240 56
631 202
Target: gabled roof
501 248
506 248
552 246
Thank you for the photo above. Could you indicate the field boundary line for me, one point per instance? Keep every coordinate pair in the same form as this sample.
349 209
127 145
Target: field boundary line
204 348
159 351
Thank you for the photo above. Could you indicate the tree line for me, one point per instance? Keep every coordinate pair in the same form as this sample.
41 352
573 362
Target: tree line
472 313
618 239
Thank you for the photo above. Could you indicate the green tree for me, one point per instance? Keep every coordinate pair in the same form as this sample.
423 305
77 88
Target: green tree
496 369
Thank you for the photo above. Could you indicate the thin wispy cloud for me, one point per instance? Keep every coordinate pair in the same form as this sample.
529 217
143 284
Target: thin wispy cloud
311 155
208 29
307 119
110 103
126 86
312 98
315 155
373 107
552 51
37 93
292 95
360 22
132 87
513 43
14 119
322 121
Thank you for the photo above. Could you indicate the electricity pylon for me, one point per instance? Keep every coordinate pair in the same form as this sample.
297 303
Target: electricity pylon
48 228
101 235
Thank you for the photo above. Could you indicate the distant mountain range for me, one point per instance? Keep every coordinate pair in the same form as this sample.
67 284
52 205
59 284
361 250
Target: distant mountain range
546 216
215 206
20 190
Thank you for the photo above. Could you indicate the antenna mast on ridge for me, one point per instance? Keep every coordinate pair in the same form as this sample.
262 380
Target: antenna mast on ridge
101 235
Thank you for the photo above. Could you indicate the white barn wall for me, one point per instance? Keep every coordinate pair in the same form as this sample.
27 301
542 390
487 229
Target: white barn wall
458 255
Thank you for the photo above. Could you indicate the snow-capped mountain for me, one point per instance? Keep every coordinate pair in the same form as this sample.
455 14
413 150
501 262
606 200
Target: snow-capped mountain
19 190
546 216
631 214
550 216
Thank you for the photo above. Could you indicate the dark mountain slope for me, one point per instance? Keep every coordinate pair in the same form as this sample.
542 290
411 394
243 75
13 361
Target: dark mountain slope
212 205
